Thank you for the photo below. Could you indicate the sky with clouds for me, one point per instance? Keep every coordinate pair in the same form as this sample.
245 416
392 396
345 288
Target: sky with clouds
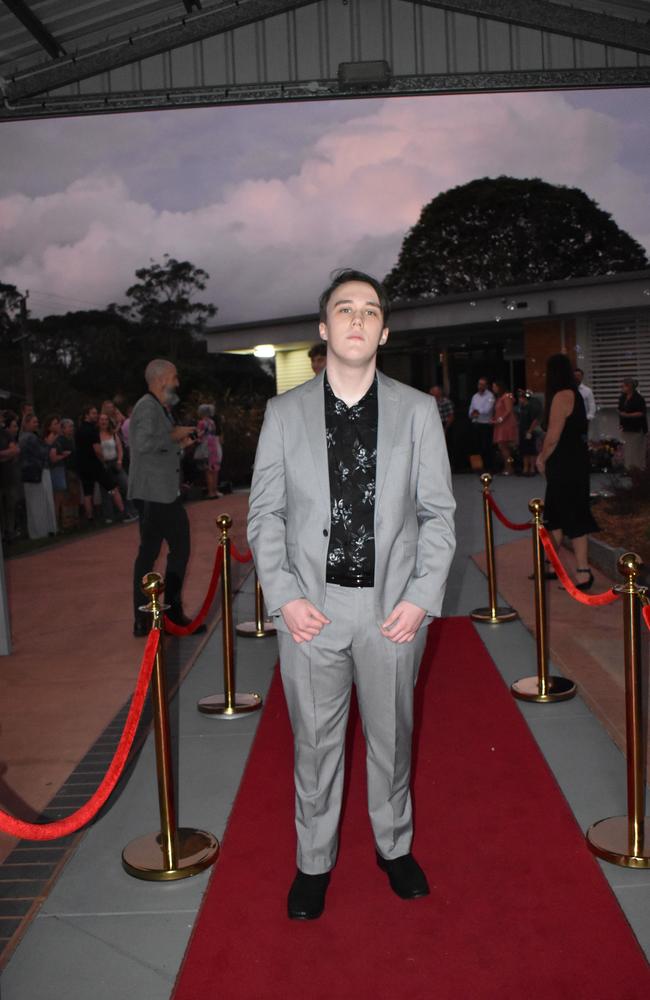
269 199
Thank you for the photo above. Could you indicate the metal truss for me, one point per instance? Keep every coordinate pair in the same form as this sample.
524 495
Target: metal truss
35 27
443 83
141 45
543 15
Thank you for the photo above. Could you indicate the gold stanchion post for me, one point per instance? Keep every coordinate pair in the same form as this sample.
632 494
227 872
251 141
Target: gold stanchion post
492 615
228 705
625 840
542 688
174 852
261 627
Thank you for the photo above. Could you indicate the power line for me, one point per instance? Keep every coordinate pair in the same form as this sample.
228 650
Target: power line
66 298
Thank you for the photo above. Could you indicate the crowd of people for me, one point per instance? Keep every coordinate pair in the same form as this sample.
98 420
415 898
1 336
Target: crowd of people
58 475
508 429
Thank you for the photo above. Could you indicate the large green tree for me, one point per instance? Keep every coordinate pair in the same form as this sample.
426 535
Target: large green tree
163 300
496 232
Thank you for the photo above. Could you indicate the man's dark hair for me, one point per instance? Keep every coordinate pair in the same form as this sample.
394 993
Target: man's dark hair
348 274
576 370
318 350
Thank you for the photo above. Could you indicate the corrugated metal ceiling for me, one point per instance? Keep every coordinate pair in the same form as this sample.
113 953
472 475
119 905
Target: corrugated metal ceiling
78 26
142 47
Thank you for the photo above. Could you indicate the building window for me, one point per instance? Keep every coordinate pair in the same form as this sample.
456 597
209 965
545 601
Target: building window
619 348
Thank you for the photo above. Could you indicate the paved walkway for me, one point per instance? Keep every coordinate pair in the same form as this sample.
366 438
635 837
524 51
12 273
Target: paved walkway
103 934
74 661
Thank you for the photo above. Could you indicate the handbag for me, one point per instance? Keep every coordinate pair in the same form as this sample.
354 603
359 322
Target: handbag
201 452
31 473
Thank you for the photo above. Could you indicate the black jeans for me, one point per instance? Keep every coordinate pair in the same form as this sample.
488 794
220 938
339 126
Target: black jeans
483 434
162 522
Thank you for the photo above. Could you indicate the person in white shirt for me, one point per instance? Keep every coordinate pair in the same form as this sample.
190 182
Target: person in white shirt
481 411
586 393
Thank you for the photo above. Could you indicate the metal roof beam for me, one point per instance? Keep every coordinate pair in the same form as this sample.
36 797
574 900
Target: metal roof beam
260 93
35 27
143 44
543 15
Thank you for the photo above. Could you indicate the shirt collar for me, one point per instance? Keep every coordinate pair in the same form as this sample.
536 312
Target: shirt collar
369 395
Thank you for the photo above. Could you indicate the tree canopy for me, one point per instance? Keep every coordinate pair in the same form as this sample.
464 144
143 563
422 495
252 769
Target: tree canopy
162 299
92 355
496 232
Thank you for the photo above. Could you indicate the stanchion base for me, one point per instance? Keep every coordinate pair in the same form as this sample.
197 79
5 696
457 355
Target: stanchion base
143 858
610 840
242 704
250 630
557 689
499 615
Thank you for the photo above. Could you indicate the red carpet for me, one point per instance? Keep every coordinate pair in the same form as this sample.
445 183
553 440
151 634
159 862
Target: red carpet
519 908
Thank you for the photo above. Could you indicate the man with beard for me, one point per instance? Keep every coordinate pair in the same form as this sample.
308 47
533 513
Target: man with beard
156 443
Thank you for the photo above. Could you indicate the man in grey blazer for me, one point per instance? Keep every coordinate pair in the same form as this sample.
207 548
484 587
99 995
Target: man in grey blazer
156 443
351 526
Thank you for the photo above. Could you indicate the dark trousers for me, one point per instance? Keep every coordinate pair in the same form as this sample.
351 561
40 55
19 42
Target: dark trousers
484 444
162 522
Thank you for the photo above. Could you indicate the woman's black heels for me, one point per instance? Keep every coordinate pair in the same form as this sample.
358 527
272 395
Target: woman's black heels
588 583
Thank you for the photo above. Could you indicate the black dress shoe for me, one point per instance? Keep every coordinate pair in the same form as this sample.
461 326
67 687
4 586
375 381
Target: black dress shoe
183 621
406 877
306 900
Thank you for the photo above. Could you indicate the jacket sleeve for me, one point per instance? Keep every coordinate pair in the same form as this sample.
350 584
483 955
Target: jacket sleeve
435 506
268 516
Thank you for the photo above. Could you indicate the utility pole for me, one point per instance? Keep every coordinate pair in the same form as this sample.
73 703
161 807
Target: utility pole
24 346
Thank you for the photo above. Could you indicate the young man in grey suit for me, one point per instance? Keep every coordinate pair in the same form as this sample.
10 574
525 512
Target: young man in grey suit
351 526
156 443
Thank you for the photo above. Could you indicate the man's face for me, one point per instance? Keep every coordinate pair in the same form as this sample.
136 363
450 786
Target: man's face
482 385
318 362
436 392
354 327
578 376
93 415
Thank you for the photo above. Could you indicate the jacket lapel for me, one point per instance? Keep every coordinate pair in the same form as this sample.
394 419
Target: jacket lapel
388 406
313 406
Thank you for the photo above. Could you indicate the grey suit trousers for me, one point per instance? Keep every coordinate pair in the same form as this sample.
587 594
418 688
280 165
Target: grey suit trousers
317 677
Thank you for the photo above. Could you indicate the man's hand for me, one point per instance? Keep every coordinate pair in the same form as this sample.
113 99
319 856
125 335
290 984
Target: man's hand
184 436
403 622
303 620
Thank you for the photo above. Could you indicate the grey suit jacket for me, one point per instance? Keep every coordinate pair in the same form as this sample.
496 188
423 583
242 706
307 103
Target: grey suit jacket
154 459
289 519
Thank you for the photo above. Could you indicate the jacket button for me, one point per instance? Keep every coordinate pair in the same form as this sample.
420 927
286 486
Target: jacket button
325 532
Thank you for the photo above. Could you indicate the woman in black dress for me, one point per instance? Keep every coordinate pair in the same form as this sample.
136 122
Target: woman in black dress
564 459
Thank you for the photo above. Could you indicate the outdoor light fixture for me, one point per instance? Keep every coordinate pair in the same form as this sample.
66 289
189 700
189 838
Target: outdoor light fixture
264 351
369 73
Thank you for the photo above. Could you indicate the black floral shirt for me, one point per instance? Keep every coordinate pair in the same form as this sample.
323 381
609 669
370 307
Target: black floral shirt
352 458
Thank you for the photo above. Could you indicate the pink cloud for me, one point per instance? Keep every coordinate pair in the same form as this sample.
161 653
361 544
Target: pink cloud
269 244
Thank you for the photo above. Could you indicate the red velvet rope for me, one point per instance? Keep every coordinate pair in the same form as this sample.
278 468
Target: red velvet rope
238 556
504 520
595 600
646 615
62 827
170 626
